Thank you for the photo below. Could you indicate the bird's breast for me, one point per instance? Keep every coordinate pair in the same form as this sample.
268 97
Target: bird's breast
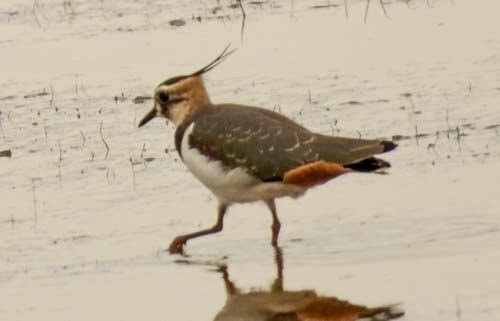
211 172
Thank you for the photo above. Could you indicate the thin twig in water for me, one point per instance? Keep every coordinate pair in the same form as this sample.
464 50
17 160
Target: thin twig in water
34 201
35 6
346 9
143 149
51 95
433 145
243 18
458 139
366 10
334 127
382 4
416 134
108 171
84 91
60 150
83 138
142 155
59 164
104 141
133 172
102 8
448 123
331 127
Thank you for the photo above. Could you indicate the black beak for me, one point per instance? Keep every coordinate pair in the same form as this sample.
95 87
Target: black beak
148 117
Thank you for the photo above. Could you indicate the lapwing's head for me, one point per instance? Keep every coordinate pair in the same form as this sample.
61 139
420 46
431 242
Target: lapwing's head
178 97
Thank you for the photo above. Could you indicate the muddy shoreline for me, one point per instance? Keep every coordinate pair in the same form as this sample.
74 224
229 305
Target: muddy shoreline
89 202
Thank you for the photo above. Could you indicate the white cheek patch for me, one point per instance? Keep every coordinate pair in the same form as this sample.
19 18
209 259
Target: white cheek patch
159 112
177 112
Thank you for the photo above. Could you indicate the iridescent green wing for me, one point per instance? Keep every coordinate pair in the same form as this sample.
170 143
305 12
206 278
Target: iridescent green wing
266 144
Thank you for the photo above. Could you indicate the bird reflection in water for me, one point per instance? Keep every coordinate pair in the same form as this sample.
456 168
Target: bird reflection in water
278 304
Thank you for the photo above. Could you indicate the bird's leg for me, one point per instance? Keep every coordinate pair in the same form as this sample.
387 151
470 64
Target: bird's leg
277 285
275 227
231 289
177 245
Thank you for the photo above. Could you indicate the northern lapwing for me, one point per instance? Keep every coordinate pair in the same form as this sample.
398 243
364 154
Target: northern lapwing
248 154
279 304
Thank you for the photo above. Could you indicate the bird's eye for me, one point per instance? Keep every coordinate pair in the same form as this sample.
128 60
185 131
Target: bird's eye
163 96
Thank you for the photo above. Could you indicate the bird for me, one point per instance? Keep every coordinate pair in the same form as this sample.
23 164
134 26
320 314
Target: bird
279 304
248 154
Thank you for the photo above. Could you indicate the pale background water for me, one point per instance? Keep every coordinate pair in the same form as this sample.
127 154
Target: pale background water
92 244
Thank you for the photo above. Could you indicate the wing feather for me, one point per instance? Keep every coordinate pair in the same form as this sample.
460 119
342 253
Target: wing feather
268 144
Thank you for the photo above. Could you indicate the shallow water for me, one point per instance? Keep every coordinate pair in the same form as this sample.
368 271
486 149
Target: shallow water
83 230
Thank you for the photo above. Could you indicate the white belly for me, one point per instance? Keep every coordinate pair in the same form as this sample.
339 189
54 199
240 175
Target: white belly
234 185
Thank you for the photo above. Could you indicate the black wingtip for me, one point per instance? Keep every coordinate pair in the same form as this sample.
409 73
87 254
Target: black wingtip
388 145
386 313
368 165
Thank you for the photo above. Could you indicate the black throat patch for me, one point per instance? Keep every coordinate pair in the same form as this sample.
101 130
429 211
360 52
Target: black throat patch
179 134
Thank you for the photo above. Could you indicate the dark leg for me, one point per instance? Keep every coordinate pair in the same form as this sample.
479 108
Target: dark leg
275 228
231 289
278 282
177 245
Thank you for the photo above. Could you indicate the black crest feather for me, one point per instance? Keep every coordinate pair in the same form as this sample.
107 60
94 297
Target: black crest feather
214 63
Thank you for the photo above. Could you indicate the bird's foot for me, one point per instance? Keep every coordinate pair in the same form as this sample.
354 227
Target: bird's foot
177 245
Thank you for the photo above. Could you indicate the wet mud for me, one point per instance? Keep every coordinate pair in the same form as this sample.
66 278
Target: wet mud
89 202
